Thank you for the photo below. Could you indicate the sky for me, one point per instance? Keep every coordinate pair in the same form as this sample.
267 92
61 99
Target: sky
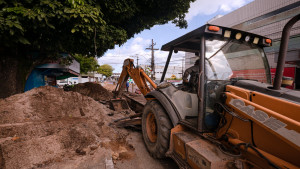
199 13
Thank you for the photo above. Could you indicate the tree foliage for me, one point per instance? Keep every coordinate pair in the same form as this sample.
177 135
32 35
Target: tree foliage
106 70
33 32
82 26
87 64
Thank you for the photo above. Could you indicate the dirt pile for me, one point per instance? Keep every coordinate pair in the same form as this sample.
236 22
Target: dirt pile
109 86
93 90
49 128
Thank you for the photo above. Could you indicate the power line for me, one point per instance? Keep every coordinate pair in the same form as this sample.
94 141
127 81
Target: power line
172 61
146 61
137 59
113 63
144 57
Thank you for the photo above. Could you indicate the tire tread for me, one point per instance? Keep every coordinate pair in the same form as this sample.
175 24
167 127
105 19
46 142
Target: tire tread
161 146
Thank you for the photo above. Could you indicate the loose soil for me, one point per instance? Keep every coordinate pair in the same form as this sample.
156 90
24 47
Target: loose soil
47 127
109 86
93 90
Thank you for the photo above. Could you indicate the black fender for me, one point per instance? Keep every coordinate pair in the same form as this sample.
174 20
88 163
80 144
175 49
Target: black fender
167 105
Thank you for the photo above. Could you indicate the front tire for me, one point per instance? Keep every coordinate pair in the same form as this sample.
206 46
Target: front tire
156 128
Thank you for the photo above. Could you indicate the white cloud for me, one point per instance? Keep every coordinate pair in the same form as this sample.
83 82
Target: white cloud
208 7
137 47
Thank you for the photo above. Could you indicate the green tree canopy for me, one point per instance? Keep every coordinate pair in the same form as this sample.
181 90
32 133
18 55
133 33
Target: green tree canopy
82 26
106 70
36 31
87 64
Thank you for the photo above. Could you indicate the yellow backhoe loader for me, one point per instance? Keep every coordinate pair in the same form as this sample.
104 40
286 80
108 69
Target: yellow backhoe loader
236 118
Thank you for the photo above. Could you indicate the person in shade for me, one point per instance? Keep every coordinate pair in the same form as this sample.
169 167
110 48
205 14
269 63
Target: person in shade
193 73
127 85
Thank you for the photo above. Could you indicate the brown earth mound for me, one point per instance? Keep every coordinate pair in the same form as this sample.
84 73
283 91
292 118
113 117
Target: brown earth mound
49 128
93 90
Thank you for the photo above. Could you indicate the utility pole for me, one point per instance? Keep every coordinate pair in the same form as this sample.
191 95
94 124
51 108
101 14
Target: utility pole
182 68
151 47
137 59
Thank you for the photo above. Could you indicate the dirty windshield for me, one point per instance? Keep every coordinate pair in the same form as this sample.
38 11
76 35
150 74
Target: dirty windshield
226 59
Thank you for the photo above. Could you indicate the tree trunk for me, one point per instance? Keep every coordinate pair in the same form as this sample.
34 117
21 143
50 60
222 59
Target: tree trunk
14 69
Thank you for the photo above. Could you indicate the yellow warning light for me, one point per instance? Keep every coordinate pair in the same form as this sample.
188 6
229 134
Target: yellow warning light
255 40
227 34
238 36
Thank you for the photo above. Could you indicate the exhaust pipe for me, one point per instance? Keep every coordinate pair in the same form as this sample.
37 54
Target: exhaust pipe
282 51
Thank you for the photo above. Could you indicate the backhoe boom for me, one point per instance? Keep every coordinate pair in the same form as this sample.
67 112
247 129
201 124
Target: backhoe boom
137 74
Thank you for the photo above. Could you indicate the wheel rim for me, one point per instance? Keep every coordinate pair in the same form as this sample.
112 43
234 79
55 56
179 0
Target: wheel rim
151 127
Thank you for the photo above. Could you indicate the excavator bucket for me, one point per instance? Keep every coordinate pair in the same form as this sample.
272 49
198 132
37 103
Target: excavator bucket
119 104
132 121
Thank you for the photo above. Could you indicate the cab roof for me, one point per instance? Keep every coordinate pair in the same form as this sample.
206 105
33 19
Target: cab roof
190 42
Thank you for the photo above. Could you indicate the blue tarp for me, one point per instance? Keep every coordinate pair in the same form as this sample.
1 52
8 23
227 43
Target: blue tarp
35 79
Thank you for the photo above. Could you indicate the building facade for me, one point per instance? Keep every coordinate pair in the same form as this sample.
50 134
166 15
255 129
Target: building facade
190 59
173 71
82 78
267 18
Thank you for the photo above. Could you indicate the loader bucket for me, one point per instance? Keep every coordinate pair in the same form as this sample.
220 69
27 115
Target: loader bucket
118 104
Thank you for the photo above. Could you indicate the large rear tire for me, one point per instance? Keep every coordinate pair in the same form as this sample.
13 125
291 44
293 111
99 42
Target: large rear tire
156 127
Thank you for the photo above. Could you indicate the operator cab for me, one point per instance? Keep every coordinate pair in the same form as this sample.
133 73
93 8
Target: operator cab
226 56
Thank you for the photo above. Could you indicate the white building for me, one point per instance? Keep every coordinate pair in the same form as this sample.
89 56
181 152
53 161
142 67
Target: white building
172 70
190 59
82 78
115 76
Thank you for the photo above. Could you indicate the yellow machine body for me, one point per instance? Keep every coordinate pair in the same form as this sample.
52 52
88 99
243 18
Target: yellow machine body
274 125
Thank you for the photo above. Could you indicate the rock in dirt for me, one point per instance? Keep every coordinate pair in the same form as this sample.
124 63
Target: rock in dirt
93 90
47 127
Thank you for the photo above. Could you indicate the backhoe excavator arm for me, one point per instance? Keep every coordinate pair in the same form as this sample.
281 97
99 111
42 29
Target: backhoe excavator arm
137 74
